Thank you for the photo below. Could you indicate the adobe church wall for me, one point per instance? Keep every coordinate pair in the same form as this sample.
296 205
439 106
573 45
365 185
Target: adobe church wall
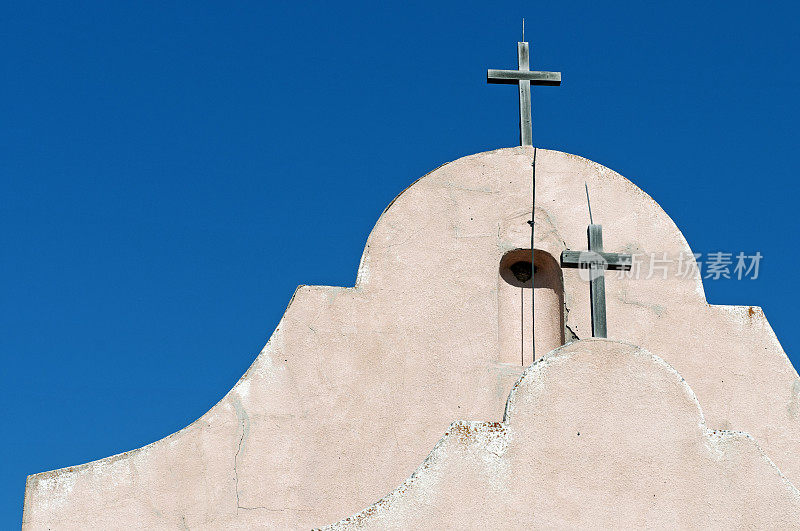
357 384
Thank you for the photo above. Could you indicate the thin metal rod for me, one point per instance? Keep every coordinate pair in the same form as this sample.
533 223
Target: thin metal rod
533 251
522 328
588 203
523 29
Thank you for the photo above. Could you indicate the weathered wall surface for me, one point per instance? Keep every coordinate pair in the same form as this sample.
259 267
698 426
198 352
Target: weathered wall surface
356 385
597 434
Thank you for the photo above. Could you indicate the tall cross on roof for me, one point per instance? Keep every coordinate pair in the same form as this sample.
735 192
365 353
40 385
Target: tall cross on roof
524 77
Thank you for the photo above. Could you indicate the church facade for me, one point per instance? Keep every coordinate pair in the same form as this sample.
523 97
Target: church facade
402 401
508 356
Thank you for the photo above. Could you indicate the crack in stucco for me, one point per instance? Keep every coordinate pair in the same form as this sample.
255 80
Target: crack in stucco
623 298
794 402
244 421
553 229
236 472
412 236
572 335
450 185
569 333
280 509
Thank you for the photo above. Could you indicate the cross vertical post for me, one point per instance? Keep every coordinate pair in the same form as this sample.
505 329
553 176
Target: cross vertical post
597 285
525 118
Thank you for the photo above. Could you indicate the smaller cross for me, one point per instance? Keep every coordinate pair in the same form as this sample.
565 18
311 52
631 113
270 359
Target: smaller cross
524 77
597 262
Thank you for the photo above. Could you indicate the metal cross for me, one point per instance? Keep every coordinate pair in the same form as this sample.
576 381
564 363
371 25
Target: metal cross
524 77
597 262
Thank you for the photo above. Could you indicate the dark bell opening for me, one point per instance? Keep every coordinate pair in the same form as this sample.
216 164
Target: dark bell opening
522 270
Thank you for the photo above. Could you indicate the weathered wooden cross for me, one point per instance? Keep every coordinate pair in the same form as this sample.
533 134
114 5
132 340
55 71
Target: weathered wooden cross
596 261
524 77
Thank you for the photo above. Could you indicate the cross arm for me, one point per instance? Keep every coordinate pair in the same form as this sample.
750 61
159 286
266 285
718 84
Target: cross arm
512 77
583 259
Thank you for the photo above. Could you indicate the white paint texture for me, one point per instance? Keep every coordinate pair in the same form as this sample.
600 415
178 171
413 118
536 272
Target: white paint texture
356 385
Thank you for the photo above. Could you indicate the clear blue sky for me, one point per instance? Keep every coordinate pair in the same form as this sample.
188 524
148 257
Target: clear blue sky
172 171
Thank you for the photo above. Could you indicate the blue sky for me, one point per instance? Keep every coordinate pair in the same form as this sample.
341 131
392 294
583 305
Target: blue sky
171 171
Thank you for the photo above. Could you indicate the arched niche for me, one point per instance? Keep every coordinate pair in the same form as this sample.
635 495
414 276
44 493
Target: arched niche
514 305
